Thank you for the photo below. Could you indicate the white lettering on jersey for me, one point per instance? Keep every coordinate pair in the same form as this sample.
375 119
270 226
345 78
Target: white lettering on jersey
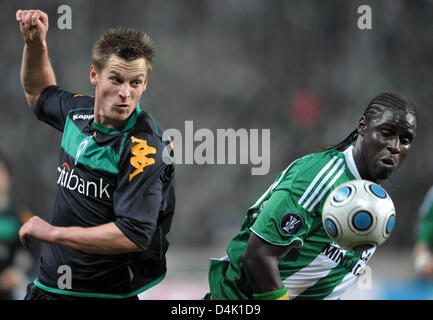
71 181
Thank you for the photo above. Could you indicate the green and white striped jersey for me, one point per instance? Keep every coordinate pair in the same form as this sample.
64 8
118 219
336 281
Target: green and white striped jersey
289 214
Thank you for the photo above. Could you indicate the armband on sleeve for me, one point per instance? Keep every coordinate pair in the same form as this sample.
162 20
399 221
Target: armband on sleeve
280 294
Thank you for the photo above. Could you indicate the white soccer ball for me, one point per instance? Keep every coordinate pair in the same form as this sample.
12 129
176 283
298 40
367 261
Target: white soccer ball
358 214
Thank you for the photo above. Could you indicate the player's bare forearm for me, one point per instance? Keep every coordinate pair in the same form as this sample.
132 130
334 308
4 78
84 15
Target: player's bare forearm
103 239
262 273
36 70
260 261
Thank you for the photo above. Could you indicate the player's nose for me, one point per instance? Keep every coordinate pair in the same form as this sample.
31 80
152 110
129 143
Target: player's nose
394 145
124 90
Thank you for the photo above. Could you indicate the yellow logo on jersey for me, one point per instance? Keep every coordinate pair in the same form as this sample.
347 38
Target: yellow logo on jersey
140 151
80 95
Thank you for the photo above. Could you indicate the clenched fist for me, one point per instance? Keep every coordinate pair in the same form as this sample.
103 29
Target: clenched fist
33 25
36 228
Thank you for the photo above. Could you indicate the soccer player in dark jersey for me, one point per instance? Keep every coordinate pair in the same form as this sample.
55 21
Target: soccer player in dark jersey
115 191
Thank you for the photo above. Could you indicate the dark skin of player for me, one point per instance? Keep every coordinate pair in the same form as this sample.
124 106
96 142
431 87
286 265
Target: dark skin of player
381 147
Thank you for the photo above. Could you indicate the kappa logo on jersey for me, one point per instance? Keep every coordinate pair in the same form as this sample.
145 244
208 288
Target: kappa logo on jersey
71 181
83 116
139 160
291 223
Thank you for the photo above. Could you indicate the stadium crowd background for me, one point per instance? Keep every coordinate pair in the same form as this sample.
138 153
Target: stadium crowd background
302 69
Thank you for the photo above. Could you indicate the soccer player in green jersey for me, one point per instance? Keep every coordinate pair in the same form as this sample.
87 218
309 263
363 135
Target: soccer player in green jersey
115 191
282 251
423 258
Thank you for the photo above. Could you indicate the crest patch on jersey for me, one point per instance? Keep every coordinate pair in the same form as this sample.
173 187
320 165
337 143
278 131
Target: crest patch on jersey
291 223
139 160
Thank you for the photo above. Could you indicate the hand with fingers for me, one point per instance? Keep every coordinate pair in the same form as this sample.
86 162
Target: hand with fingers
36 70
36 228
33 25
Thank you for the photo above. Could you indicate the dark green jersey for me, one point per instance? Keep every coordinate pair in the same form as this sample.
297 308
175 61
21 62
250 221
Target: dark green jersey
107 175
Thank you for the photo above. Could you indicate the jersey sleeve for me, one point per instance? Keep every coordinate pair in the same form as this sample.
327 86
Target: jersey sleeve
285 219
282 221
139 194
53 105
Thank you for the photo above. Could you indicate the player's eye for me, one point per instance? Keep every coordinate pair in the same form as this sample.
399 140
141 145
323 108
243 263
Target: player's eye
136 82
116 80
386 133
406 141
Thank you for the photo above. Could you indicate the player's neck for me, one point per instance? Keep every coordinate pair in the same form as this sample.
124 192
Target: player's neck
108 122
362 165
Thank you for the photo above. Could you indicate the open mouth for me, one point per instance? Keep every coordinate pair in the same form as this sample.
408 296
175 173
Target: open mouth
122 106
387 162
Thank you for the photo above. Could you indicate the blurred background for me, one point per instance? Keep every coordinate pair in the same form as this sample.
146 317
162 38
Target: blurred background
302 69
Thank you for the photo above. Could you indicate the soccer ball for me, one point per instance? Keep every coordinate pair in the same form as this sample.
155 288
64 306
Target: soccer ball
358 214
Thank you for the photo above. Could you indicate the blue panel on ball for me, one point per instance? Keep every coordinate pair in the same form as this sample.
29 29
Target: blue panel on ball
342 194
390 224
331 228
378 191
362 220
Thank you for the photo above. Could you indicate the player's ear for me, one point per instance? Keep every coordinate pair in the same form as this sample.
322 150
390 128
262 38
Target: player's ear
362 126
93 75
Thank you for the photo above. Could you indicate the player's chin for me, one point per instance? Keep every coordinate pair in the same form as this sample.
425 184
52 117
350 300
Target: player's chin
120 114
384 173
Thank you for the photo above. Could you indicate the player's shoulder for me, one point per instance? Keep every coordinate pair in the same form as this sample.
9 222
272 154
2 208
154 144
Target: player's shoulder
80 100
144 143
146 131
310 167
313 163
147 126
311 177
73 99
81 107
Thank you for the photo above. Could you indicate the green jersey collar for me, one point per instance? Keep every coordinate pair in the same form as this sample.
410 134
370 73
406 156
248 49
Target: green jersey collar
129 124
348 154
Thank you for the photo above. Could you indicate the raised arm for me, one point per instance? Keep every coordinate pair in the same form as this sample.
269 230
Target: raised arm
36 70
